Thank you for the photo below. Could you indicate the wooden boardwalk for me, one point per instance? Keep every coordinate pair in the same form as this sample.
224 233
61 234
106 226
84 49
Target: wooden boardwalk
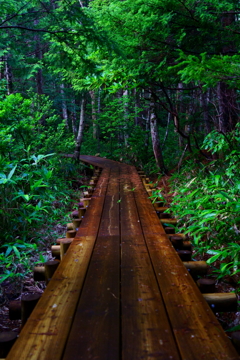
121 292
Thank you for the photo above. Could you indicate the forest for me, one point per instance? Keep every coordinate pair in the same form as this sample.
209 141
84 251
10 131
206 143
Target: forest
154 84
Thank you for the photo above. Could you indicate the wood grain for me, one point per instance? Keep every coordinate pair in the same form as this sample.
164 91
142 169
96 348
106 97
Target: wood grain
146 332
96 326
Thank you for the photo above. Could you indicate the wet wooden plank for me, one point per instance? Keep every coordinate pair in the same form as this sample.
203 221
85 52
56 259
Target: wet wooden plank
45 333
197 331
146 332
95 332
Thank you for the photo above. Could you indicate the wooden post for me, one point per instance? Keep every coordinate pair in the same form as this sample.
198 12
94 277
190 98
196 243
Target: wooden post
81 212
90 190
165 216
64 247
177 241
15 310
50 268
207 285
28 303
74 214
76 223
71 234
86 194
70 226
39 273
196 267
169 230
235 336
185 255
7 339
187 245
58 241
55 249
158 205
85 201
222 301
169 221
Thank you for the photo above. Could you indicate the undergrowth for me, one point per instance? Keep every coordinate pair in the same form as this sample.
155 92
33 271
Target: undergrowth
208 203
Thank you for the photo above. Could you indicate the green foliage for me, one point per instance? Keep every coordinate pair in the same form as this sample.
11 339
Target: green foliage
209 203
31 124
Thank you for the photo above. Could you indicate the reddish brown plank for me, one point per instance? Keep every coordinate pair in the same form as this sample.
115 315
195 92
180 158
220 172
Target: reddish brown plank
146 332
96 326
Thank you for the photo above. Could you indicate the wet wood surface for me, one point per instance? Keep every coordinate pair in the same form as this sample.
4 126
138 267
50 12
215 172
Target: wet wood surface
121 291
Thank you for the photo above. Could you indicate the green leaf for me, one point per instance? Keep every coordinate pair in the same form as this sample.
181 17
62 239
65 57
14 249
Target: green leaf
213 258
16 251
12 172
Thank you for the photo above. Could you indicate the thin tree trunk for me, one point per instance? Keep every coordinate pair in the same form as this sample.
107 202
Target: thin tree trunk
228 108
80 130
94 116
39 55
206 117
74 118
98 115
8 76
64 105
125 116
155 140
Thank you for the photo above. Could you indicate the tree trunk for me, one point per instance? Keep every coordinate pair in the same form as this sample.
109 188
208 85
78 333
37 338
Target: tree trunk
204 104
74 118
94 116
228 109
98 115
8 76
39 55
64 105
125 116
155 140
80 130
